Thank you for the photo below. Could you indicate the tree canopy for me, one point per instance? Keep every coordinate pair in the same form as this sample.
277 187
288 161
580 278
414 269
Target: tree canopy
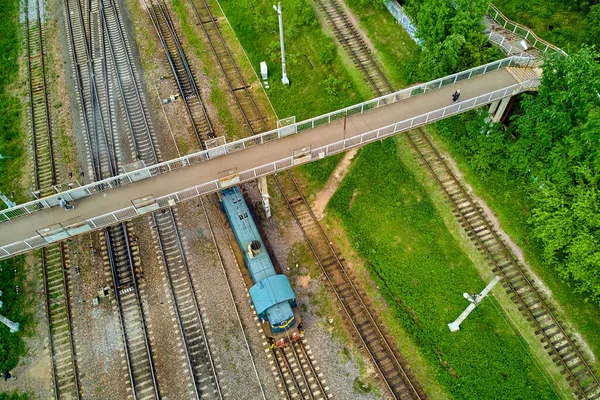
452 35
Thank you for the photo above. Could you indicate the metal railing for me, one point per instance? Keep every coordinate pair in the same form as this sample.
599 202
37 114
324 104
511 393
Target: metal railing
282 164
259 139
398 12
521 31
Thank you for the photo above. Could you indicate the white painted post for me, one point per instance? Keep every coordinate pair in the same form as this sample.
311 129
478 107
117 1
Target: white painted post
475 300
284 79
13 326
264 191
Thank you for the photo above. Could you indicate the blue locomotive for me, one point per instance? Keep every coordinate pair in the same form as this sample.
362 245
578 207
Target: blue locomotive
272 295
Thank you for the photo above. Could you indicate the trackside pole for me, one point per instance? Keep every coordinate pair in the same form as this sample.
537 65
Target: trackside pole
264 191
474 299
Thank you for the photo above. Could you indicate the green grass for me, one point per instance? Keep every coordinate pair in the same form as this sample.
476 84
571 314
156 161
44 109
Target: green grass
422 272
394 46
314 68
16 396
510 203
12 143
317 173
17 308
556 21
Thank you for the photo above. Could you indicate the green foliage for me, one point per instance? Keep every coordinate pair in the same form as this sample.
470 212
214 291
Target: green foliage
591 27
317 173
557 21
16 396
452 35
16 308
11 141
422 273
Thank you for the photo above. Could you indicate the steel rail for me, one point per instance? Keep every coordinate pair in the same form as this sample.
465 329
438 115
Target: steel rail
286 365
312 369
138 98
72 357
407 381
154 17
229 56
503 270
116 286
355 54
34 121
192 292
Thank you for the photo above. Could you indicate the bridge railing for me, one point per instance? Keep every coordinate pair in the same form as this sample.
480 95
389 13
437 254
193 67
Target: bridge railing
287 162
228 148
518 30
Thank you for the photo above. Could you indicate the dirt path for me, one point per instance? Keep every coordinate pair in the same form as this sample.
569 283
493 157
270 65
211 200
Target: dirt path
332 184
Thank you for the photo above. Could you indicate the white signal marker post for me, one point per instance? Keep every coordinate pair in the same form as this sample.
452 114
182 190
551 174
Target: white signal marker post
474 299
285 79
13 326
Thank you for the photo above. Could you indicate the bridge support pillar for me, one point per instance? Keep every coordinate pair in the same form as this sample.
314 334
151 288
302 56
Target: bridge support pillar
498 108
264 191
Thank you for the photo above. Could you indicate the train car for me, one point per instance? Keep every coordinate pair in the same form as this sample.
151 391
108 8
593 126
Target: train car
272 295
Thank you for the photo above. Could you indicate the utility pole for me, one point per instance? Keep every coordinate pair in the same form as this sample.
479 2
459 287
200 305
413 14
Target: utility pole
285 79
13 326
474 299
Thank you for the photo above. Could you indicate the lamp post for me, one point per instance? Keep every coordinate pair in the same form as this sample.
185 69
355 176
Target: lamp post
285 79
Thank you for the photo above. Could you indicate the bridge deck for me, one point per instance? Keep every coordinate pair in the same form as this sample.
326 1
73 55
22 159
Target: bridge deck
26 227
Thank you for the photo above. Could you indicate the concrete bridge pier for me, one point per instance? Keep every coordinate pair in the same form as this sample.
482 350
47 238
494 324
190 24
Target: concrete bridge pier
264 191
498 108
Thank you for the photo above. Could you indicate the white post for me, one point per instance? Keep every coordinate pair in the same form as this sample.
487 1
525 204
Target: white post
13 326
475 300
264 191
285 79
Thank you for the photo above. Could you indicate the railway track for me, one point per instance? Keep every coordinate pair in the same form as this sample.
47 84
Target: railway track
135 112
531 302
398 379
161 19
58 310
301 380
86 47
41 127
235 81
189 317
133 329
355 46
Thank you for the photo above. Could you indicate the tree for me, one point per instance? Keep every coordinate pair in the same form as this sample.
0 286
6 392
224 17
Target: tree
452 35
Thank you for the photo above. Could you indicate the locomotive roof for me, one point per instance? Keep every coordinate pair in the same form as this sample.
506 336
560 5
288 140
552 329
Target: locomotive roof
271 291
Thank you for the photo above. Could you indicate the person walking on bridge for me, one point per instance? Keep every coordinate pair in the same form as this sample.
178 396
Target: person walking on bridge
455 96
64 204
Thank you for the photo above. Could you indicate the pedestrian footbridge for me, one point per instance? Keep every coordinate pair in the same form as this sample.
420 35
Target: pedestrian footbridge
130 194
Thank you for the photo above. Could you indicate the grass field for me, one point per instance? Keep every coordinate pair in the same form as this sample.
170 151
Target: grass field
314 67
11 139
16 396
510 203
556 21
422 273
